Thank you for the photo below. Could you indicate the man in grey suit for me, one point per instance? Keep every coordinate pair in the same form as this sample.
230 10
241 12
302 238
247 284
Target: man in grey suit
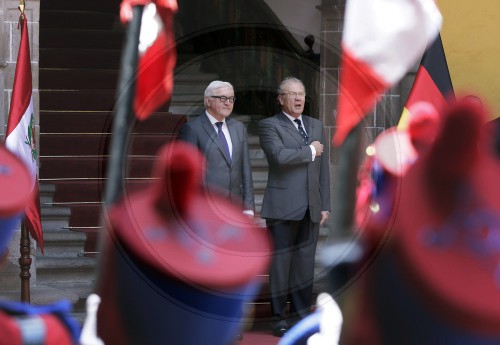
223 141
296 201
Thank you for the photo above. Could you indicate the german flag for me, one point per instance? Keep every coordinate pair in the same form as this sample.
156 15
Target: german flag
432 83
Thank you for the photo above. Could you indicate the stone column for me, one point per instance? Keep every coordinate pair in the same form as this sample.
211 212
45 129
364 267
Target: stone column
9 46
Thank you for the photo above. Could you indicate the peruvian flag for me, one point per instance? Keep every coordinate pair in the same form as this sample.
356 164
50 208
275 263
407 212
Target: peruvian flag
20 137
157 53
382 40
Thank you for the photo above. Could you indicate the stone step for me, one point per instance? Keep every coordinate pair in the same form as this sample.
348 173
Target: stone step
253 141
76 100
47 192
259 187
191 72
78 19
80 289
109 6
187 109
259 164
257 154
41 294
101 122
195 88
259 175
93 144
91 166
77 79
73 191
80 58
190 77
54 218
67 269
88 215
58 243
88 37
258 201
71 100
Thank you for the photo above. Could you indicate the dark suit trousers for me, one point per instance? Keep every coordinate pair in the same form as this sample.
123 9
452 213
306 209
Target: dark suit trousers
292 267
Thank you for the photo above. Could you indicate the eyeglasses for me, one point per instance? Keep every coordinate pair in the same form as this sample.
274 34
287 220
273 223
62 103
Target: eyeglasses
295 94
223 99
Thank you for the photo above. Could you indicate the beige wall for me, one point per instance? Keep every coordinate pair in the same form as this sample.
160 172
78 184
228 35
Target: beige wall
471 31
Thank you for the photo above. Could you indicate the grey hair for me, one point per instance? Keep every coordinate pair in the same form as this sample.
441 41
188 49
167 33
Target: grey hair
216 84
287 80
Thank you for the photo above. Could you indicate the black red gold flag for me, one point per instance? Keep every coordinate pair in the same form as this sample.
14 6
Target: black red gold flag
432 83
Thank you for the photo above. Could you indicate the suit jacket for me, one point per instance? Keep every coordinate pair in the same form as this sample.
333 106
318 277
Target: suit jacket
230 178
295 183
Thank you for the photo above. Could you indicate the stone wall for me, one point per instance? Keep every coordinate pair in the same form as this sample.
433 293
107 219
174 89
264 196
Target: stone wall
9 46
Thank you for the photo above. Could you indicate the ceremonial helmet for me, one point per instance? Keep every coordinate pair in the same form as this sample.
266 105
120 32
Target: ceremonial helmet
436 276
15 189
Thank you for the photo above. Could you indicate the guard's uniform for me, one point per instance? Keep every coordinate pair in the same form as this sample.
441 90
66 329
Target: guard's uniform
435 278
178 265
23 323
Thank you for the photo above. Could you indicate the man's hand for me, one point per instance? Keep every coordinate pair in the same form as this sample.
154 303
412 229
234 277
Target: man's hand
318 147
324 217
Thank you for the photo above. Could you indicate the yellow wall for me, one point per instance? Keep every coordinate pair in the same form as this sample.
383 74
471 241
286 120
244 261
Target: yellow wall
471 40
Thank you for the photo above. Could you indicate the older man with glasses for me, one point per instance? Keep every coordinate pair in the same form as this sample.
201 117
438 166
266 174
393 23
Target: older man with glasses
296 201
223 141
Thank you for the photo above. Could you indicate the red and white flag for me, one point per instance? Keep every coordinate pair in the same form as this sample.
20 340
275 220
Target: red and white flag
382 40
157 53
20 136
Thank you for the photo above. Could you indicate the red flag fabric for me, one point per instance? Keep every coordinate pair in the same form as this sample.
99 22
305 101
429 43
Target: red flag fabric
157 54
20 136
382 40
432 83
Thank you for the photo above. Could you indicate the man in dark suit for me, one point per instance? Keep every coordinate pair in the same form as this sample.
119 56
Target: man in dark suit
296 201
223 141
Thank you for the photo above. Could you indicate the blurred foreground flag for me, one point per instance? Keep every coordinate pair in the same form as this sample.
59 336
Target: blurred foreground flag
432 83
20 136
382 40
157 53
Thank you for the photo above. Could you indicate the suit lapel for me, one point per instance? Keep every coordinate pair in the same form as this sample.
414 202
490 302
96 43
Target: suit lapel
212 134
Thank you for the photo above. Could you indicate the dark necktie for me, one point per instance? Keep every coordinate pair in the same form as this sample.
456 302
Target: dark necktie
222 138
301 130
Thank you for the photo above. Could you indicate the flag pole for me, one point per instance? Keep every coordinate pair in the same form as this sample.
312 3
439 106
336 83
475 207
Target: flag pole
333 256
25 263
24 243
123 115
349 159
122 120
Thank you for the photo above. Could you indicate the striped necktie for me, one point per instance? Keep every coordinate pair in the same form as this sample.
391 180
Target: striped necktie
301 130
